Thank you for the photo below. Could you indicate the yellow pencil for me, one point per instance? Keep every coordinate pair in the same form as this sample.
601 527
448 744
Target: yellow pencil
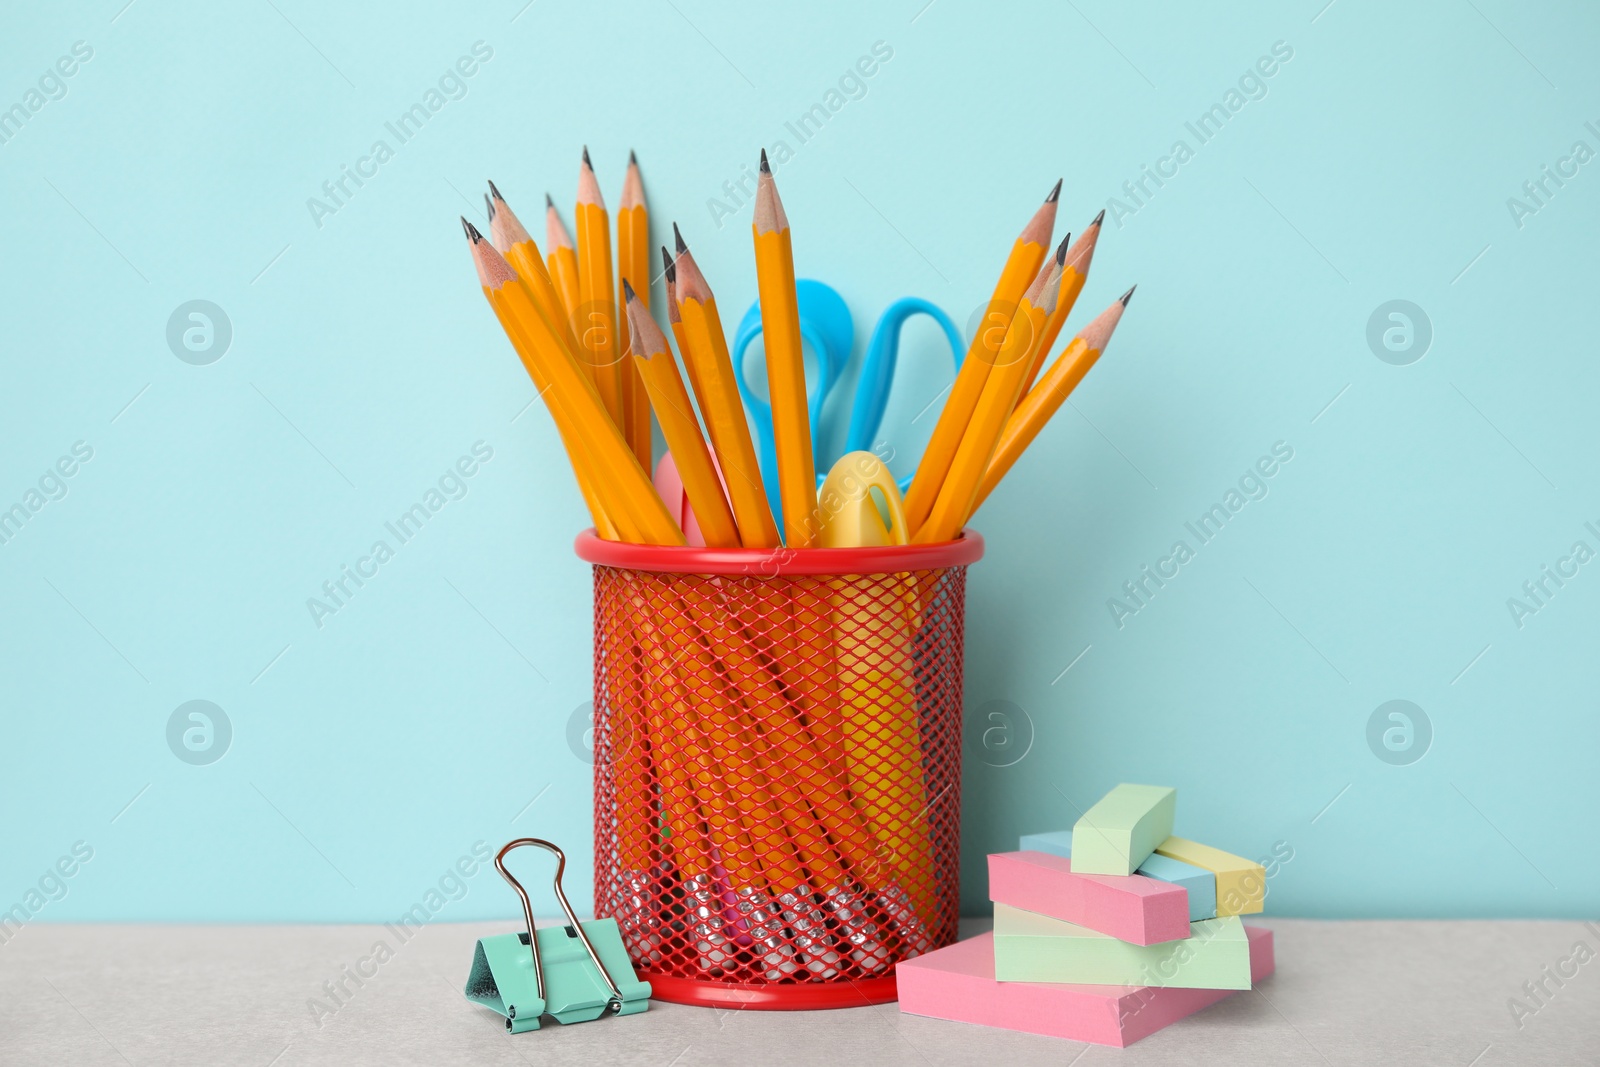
1022 266
1001 387
786 366
711 375
624 489
1073 274
669 270
633 268
513 241
562 260
1046 398
656 368
597 307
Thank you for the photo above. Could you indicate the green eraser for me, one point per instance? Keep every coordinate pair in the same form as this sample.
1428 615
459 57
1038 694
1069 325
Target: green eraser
1029 947
1119 833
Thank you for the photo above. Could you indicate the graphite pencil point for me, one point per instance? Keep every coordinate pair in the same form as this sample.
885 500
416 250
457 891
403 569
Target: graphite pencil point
1098 219
1055 194
495 191
668 266
766 168
633 160
488 207
1128 296
472 231
627 291
678 239
548 203
1061 249
586 158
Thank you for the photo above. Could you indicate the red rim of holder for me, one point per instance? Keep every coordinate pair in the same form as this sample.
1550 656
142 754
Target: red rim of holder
773 562
778 996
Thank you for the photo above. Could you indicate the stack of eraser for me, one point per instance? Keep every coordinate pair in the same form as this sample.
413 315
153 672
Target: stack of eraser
1105 933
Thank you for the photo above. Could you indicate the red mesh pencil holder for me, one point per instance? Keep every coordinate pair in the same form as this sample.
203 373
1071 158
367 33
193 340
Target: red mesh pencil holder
777 765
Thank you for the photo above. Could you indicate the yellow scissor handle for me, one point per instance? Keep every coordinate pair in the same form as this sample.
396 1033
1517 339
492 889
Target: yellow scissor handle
850 515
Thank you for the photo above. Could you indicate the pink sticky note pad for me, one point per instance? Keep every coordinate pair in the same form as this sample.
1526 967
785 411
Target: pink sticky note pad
957 983
1132 908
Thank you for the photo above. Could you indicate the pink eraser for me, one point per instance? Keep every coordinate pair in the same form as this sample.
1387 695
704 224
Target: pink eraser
957 983
1132 908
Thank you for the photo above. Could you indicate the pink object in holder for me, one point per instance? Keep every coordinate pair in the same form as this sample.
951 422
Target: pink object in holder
957 983
1132 908
670 486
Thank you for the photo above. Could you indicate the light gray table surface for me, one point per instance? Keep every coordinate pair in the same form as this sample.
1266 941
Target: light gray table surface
1344 993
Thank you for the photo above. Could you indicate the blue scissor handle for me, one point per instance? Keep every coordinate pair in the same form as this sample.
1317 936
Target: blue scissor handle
825 325
877 370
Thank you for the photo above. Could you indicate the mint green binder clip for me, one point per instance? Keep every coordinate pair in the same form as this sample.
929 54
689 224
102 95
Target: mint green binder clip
565 972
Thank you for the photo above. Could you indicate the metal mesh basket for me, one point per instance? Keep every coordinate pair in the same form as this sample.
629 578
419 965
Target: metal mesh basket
777 765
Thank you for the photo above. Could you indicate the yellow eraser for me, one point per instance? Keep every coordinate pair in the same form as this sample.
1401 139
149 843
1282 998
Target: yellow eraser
1241 884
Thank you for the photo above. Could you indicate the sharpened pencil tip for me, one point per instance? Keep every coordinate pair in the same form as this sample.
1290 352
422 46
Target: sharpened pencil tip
1061 250
1055 194
669 267
488 207
627 291
586 158
1098 219
495 192
633 160
472 231
1128 296
548 203
677 239
766 168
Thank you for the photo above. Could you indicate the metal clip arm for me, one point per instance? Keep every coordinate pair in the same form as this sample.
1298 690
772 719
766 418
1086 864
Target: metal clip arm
572 919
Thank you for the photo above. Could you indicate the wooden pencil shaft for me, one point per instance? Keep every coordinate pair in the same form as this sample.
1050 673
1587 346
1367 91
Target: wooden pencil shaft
597 301
711 375
1075 271
1002 387
513 241
659 373
621 480
786 369
1045 399
1022 266
633 267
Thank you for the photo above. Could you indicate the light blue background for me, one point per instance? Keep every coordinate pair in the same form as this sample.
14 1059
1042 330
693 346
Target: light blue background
433 710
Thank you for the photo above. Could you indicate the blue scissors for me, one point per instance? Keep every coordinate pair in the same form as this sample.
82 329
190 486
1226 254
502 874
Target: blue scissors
827 327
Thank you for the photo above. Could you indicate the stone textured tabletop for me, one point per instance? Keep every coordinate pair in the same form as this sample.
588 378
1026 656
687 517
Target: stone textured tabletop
1353 993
